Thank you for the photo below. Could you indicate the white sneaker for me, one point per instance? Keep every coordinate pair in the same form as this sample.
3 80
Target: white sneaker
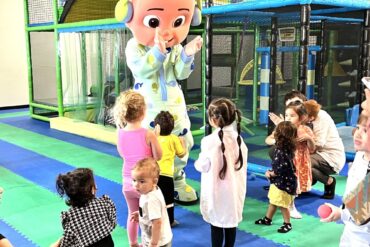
294 213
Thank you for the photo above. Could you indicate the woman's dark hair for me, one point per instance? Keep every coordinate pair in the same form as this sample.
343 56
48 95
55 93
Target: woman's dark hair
294 93
223 112
285 137
77 185
166 121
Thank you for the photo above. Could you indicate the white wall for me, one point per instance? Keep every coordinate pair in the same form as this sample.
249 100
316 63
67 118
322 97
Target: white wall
13 62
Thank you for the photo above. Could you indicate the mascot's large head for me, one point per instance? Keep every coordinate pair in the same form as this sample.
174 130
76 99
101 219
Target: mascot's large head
172 17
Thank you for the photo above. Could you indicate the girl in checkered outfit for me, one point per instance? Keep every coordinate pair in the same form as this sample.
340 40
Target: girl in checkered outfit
134 143
90 220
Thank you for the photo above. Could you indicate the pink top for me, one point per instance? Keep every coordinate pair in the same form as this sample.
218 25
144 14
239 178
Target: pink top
132 147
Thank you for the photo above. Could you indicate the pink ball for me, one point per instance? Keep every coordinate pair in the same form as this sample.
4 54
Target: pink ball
324 211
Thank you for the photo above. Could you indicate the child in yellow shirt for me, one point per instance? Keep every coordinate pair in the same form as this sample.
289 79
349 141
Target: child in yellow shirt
172 146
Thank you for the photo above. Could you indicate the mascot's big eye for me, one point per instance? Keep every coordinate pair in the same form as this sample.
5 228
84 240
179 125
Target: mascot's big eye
179 21
151 21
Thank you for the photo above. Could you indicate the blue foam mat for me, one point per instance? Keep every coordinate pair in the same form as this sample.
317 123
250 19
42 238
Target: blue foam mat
43 171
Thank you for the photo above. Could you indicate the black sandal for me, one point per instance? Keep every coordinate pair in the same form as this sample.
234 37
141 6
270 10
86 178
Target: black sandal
264 221
286 227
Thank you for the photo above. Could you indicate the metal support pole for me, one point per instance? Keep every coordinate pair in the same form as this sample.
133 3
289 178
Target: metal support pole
272 79
321 61
255 72
208 69
265 85
310 76
57 62
303 51
333 39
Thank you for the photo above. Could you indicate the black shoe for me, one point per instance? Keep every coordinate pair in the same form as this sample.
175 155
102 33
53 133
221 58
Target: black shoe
329 190
264 221
286 227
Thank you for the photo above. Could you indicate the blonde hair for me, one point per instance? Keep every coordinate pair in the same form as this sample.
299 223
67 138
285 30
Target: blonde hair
149 165
129 107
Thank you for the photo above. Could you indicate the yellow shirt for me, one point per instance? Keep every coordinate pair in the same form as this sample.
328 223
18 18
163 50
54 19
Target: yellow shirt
171 147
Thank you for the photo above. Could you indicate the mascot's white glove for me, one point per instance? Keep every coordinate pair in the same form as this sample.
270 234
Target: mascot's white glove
193 46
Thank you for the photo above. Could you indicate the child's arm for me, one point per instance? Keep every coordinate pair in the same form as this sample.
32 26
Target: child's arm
310 142
181 149
154 144
134 217
156 232
270 140
203 163
308 136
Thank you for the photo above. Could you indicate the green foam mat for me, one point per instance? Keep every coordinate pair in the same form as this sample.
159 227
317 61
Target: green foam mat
26 207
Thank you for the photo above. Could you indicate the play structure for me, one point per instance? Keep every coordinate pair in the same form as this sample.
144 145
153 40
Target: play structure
255 51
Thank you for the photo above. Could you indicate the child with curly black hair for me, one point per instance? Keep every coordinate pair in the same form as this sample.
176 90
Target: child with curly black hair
282 177
90 220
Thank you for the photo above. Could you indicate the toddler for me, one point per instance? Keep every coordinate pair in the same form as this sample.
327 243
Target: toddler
283 181
152 213
171 146
90 220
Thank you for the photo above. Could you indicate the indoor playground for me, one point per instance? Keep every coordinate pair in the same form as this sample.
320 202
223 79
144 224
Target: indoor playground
254 52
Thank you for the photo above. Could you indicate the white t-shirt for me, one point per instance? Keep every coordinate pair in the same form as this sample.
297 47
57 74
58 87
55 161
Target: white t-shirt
222 201
153 206
328 142
354 235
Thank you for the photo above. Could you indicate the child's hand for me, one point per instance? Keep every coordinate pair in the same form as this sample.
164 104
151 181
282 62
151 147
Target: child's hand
303 138
275 118
269 174
159 41
335 214
56 244
157 130
193 46
134 217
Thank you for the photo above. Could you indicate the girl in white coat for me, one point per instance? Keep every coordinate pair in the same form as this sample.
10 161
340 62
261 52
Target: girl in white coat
223 164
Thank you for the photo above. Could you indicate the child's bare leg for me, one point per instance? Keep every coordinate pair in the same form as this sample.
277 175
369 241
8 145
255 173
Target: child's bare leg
286 227
286 214
271 211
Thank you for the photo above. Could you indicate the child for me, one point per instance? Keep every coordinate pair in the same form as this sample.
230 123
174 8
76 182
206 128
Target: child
152 214
90 220
353 234
282 176
223 164
171 146
296 113
134 143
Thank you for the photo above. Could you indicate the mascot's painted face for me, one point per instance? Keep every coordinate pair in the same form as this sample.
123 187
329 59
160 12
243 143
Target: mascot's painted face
172 17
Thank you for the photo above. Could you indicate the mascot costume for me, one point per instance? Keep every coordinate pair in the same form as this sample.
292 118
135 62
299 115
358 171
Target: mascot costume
157 60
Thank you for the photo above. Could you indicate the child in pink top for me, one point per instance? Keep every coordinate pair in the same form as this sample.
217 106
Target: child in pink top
134 143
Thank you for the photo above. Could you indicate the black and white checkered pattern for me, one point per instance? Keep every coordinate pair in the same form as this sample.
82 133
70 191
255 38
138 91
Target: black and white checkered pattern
84 226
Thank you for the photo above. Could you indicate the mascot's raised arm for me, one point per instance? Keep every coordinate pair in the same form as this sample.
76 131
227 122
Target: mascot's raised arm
157 60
